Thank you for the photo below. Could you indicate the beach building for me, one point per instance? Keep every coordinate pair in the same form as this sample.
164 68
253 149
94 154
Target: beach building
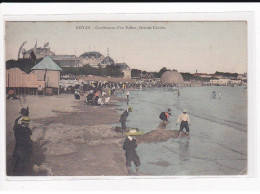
35 52
92 58
125 69
107 61
47 70
66 60
39 53
221 81
242 77
172 77
213 81
104 79
236 81
21 82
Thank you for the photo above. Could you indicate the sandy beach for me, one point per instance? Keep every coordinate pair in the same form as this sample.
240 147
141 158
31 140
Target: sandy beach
73 139
70 138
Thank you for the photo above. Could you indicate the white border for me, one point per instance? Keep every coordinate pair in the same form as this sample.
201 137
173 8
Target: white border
150 12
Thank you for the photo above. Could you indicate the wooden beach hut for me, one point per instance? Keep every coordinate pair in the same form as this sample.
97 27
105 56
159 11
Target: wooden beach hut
47 70
21 82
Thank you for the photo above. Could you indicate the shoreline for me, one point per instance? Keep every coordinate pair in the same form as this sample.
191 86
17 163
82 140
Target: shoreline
72 142
80 140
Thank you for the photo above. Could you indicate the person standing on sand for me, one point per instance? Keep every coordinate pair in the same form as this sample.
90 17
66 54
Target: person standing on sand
219 95
113 90
127 94
39 90
184 119
123 118
131 155
23 148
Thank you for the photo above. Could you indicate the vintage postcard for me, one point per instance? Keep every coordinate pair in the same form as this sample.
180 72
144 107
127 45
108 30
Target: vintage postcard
126 98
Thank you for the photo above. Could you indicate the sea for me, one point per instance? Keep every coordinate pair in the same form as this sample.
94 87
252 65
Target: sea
217 145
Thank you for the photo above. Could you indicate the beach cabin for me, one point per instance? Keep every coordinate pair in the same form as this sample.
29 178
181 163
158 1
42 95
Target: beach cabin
47 70
22 83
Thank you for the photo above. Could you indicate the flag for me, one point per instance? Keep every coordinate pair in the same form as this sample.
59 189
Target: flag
35 46
21 49
46 44
33 56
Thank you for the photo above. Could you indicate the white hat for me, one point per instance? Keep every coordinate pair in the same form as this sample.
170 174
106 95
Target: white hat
184 110
130 138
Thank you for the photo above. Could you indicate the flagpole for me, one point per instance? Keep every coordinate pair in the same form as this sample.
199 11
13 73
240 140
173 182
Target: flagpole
75 58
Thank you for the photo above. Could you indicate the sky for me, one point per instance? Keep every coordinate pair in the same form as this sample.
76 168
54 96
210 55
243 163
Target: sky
185 46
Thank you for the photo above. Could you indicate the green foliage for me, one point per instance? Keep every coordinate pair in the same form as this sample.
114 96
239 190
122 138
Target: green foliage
188 76
136 73
226 74
113 71
23 64
162 71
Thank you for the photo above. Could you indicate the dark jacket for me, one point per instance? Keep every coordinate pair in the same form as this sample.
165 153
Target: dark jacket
90 97
124 116
16 123
163 116
129 147
23 142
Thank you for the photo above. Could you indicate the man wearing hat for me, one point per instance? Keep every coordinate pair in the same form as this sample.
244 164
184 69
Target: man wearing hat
23 112
23 147
184 120
124 117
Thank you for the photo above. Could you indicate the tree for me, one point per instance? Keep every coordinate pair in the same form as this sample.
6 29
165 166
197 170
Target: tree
226 74
187 76
136 73
23 64
162 71
113 71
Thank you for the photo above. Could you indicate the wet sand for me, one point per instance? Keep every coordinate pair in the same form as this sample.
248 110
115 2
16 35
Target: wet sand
160 134
72 139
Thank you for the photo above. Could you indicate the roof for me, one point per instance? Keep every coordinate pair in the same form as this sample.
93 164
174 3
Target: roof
92 54
67 62
172 77
123 66
63 57
47 63
38 50
108 61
